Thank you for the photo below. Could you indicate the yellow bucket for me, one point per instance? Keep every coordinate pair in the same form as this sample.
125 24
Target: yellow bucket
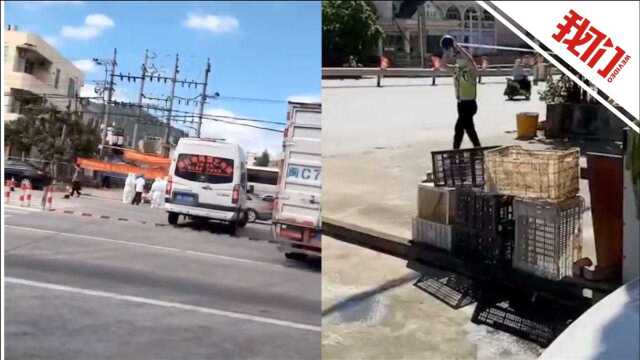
527 125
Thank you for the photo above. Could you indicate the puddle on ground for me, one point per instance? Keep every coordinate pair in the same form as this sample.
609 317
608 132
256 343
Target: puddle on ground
368 311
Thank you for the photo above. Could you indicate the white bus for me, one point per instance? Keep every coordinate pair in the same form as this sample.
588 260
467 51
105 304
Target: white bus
263 179
264 183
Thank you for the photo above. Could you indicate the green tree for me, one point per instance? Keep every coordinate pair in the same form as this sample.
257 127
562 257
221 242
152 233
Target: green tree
57 136
263 159
349 28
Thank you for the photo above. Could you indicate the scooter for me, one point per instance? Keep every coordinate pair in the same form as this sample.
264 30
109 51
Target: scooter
514 89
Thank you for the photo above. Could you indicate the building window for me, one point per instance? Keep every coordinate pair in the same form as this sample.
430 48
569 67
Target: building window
432 12
453 13
29 66
486 16
56 82
71 91
470 17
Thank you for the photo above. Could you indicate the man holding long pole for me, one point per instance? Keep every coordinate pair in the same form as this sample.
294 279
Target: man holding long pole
465 74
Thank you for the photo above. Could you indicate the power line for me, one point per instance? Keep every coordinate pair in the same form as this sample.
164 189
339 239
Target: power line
238 98
184 121
156 108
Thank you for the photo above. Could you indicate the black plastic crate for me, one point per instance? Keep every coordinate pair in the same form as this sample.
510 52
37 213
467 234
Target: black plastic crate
482 248
462 167
488 213
536 320
454 290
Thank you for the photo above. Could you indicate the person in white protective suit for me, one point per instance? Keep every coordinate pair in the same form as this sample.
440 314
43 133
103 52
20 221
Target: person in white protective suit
156 193
163 190
129 189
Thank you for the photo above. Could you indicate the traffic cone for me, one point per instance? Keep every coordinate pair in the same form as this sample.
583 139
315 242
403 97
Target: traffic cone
50 198
7 191
23 189
28 194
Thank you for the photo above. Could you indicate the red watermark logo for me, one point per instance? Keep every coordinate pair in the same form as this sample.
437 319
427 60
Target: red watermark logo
577 32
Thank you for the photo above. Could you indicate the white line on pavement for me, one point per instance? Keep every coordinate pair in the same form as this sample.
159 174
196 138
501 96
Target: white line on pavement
167 304
22 208
156 247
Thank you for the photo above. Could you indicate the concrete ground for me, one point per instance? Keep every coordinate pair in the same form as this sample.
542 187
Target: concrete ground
376 146
80 287
372 311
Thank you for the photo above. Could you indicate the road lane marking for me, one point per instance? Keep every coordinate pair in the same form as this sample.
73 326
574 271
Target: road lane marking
22 208
149 246
167 304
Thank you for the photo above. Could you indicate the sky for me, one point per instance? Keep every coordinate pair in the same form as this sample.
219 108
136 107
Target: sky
258 50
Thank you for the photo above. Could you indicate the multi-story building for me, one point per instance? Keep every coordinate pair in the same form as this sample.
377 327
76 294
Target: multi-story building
33 71
465 20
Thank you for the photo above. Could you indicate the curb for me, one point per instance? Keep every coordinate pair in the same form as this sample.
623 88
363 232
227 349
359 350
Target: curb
104 217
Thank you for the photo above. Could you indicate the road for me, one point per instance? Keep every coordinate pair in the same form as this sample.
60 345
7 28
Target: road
83 287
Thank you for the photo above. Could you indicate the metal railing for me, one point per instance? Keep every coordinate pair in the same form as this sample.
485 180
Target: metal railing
380 73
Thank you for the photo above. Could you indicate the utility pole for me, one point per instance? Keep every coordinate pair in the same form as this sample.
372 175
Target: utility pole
420 35
204 97
139 118
114 63
173 91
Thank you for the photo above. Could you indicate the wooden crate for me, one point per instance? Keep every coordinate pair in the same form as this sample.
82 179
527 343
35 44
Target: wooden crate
436 204
551 175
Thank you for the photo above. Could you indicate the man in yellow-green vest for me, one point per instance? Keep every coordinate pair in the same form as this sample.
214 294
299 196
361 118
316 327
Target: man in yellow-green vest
465 80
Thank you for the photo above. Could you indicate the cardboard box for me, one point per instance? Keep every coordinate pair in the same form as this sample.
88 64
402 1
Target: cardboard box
436 204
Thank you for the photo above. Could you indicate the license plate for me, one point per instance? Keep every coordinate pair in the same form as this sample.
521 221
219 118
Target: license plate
185 199
308 175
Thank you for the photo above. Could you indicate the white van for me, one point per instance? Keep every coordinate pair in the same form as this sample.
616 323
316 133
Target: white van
208 180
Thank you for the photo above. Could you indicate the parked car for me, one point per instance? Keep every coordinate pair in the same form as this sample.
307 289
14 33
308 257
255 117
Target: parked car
19 170
259 207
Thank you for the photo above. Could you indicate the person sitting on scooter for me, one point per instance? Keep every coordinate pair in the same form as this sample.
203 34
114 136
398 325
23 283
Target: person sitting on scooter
520 76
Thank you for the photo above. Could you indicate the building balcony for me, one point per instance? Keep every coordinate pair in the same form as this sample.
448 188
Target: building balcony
28 82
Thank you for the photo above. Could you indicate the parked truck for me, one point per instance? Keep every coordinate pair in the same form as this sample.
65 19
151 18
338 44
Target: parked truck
296 213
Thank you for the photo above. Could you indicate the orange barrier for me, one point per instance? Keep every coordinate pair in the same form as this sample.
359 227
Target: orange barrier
148 159
148 173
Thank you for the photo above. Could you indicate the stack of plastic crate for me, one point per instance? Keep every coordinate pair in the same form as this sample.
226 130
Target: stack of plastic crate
436 203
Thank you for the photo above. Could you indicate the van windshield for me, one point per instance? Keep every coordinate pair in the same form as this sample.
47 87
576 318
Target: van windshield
204 168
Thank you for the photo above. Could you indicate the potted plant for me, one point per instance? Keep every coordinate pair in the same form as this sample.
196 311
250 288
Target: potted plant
571 111
556 96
